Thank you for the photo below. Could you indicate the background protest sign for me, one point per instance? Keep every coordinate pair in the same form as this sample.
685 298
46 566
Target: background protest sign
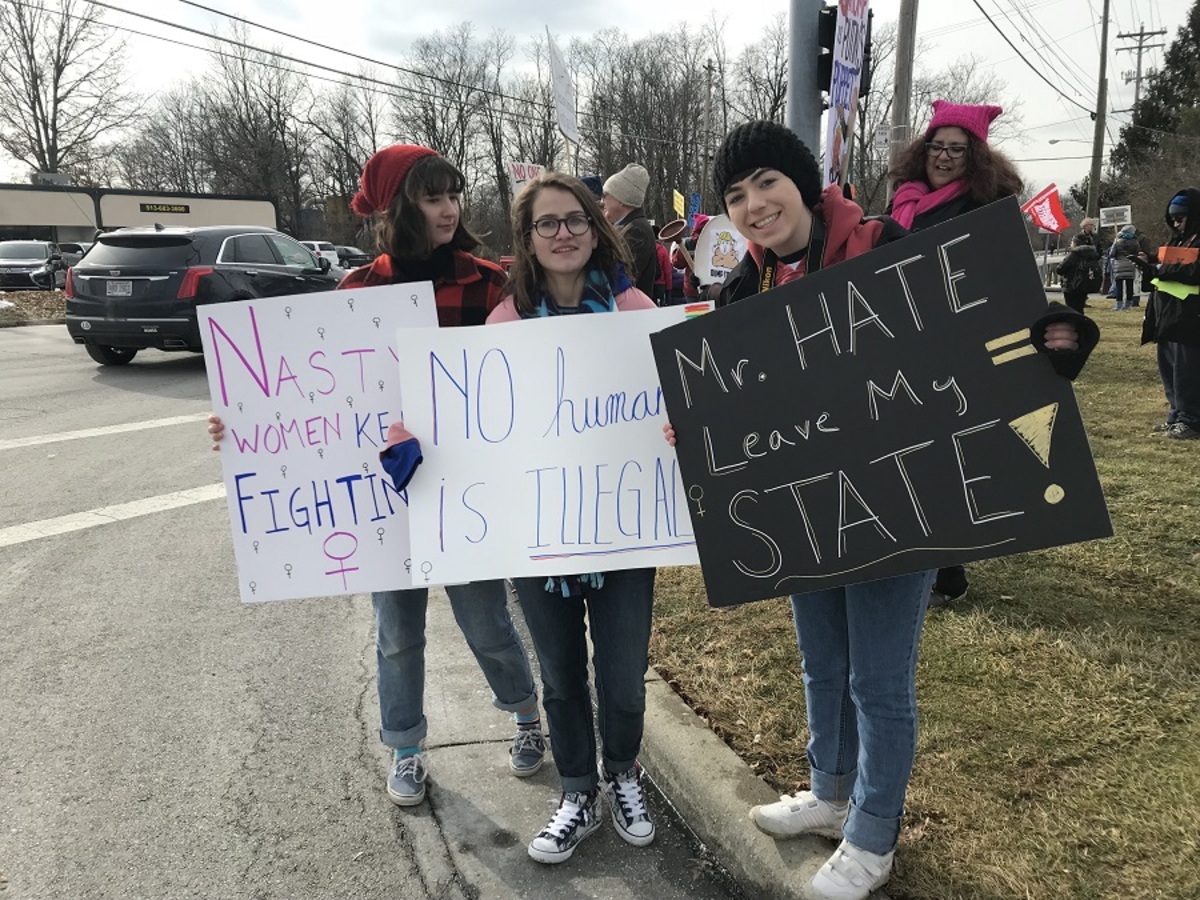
307 387
884 415
849 45
543 449
718 250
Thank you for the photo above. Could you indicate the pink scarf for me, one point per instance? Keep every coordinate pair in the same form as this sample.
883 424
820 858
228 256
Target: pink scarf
915 197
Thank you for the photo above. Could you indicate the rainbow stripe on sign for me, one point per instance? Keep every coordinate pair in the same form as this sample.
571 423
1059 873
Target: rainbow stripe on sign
692 310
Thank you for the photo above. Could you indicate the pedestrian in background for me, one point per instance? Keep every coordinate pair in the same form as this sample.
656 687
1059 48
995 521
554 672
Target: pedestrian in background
858 642
1124 253
1080 273
948 171
623 196
1173 317
414 196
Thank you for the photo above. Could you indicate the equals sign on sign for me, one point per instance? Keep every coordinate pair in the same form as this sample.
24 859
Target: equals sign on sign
1010 346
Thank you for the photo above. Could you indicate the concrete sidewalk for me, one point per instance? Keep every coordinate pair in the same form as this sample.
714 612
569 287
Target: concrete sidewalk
487 816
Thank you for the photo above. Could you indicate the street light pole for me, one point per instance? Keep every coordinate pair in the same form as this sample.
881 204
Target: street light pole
1093 199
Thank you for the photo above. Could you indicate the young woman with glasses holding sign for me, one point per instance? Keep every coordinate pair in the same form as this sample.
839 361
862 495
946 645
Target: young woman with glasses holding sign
948 171
570 261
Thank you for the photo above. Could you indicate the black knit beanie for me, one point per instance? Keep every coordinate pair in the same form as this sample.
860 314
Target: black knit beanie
766 145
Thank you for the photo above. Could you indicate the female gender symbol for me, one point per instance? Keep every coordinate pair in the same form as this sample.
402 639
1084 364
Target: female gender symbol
366 468
252 587
287 311
287 567
321 452
321 332
376 321
427 567
696 492
256 546
239 406
283 471
350 402
379 531
350 303
381 386
311 398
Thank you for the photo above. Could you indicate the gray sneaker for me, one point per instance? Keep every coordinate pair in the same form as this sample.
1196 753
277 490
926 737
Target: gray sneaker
406 780
527 752
578 815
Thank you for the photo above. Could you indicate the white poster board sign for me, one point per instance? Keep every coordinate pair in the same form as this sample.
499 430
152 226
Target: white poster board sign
718 249
1115 216
543 449
848 45
521 172
307 386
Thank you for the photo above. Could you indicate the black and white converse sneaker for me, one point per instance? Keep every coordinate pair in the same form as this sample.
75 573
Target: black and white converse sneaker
627 801
578 815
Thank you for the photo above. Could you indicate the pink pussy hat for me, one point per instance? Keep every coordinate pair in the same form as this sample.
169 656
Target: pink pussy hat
973 119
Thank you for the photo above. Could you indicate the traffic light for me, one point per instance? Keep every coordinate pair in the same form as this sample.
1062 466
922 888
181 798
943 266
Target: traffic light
826 35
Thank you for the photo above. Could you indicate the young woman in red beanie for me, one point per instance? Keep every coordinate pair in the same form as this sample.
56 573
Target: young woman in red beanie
858 642
414 195
570 261
948 171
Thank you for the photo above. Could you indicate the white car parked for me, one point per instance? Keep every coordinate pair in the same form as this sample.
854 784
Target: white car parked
324 250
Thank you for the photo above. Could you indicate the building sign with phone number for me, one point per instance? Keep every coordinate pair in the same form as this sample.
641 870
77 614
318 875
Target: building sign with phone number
164 207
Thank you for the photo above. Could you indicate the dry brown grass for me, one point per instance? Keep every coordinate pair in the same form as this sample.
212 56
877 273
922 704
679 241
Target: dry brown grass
31 306
1060 702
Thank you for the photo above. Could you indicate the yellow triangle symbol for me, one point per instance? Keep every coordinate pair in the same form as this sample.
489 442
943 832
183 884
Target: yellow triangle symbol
1036 429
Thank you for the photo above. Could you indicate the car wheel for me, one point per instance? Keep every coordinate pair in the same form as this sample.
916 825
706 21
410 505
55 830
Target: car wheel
110 356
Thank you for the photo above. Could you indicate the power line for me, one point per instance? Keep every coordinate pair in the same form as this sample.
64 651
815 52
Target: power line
1035 69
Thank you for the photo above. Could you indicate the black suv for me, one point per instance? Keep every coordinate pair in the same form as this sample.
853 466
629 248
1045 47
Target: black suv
139 287
31 265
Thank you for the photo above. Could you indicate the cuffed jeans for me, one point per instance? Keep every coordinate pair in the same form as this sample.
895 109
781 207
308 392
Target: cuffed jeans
481 610
619 617
1179 368
859 645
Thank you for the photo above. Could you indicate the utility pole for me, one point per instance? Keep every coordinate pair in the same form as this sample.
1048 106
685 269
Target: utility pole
706 140
803 92
906 38
1136 77
1093 198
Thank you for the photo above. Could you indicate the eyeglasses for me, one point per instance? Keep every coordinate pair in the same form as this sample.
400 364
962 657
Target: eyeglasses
548 227
954 151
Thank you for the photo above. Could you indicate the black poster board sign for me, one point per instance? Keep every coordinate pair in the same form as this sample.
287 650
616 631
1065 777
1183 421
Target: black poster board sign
885 415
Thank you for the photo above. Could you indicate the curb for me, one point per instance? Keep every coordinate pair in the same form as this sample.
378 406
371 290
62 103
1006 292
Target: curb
713 789
24 322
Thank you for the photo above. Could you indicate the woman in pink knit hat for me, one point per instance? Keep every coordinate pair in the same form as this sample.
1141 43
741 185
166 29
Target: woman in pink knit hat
951 170
948 171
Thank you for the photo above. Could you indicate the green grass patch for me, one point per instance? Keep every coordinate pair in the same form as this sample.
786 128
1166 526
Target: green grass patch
1060 702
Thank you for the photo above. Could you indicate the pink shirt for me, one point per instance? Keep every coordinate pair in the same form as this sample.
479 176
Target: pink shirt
627 301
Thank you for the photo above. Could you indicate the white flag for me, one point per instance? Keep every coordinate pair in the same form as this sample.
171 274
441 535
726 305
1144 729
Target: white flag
564 92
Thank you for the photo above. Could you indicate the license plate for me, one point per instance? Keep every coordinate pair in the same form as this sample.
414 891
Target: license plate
119 288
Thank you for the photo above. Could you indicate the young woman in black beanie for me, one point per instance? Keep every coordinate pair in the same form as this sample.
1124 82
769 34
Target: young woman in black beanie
859 642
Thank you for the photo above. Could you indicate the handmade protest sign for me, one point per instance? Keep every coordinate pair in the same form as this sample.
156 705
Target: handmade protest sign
543 449
306 386
885 415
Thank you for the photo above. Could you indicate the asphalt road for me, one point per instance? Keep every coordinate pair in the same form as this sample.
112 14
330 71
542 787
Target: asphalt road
160 739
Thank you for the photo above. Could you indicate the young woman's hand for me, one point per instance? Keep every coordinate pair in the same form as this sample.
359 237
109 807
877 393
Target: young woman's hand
1062 336
669 434
216 429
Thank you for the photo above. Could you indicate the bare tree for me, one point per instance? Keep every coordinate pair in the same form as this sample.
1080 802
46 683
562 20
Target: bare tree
165 153
760 75
61 84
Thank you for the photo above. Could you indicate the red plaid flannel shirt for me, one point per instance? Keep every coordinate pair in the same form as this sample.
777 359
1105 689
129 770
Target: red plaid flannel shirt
464 298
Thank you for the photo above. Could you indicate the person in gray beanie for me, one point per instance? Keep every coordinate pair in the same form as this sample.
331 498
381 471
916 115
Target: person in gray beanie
622 199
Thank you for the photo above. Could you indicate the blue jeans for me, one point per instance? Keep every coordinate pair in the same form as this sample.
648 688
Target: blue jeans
619 617
481 610
859 645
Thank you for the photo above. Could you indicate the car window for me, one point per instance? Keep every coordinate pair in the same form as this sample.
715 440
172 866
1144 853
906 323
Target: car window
24 250
293 254
157 252
327 247
249 248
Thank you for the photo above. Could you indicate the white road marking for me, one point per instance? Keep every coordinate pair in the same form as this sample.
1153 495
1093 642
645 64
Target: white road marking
36 440
106 515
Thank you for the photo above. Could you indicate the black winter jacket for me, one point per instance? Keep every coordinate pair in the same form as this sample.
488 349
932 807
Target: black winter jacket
1169 318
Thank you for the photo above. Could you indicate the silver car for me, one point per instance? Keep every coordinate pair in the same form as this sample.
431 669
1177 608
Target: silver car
31 265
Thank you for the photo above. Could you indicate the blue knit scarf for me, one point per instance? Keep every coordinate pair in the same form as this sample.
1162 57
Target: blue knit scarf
599 295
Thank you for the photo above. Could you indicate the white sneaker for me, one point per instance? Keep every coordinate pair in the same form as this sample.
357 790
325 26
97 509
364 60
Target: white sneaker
850 874
578 815
804 813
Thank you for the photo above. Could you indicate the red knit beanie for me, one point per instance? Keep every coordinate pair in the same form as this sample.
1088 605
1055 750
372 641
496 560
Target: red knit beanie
383 175
974 119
